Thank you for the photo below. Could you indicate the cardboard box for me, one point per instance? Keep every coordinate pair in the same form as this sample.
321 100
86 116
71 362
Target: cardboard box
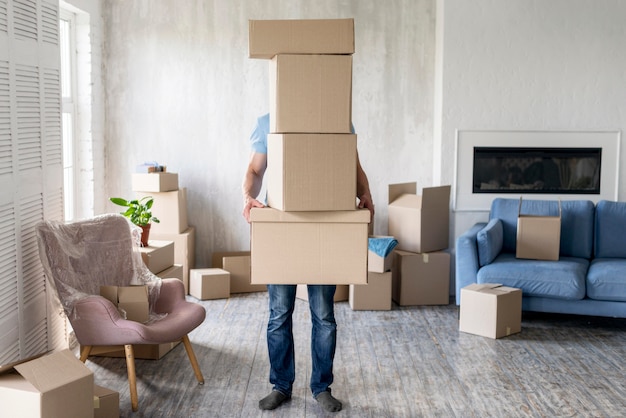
267 38
309 247
154 182
158 255
311 172
419 223
374 296
311 94
141 351
217 258
421 279
131 301
171 210
184 250
341 293
490 310
210 283
538 237
239 269
54 385
106 403
174 272
377 263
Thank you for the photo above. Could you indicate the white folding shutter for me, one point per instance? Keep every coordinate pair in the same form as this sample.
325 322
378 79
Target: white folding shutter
31 172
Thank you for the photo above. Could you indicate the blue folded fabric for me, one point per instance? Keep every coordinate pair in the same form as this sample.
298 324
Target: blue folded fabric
382 246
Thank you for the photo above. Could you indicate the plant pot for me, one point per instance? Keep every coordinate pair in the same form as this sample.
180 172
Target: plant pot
145 234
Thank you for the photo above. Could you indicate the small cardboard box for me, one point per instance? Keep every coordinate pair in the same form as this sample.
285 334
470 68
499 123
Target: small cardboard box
421 279
141 351
174 272
341 293
217 258
267 38
158 255
374 296
538 237
311 172
171 210
106 403
239 269
131 301
377 263
54 385
490 310
419 223
311 94
184 250
309 247
210 283
154 182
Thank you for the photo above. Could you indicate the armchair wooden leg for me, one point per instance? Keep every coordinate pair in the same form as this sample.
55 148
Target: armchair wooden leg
193 360
84 352
132 379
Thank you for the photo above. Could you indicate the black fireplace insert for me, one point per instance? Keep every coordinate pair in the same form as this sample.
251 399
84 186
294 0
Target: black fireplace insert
537 170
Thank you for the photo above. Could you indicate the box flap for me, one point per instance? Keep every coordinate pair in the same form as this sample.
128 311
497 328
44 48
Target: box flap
342 216
436 197
53 371
397 190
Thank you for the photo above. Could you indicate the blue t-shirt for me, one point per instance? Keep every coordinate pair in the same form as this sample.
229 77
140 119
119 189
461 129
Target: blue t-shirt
258 139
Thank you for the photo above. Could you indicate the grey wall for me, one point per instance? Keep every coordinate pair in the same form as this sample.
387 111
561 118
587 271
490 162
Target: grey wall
180 89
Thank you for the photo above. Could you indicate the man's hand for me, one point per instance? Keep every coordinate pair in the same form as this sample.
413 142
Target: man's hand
248 204
365 201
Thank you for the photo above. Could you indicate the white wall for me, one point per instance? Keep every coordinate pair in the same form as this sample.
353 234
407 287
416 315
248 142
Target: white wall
529 65
181 90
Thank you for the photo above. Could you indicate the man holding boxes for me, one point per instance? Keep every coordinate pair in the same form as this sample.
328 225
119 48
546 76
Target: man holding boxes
282 299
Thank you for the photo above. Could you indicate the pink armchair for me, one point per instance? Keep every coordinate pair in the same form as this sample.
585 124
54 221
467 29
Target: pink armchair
81 256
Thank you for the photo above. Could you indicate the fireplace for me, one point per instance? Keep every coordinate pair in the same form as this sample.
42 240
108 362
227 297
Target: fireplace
536 170
536 165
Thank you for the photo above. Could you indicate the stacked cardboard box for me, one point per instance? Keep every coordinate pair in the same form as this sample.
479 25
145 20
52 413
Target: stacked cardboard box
170 207
237 264
312 232
420 223
376 295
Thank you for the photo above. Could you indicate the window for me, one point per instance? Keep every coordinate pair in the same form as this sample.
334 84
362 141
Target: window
67 39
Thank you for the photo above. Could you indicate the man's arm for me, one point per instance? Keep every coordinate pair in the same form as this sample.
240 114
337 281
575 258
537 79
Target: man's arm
252 182
363 188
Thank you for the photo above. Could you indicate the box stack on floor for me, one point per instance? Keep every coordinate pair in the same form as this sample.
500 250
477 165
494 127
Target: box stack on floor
420 223
311 232
170 207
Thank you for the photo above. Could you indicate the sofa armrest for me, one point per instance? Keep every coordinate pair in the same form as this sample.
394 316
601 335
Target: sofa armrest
466 259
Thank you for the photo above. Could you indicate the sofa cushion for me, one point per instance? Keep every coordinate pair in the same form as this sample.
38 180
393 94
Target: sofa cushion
610 229
577 222
563 279
606 279
489 241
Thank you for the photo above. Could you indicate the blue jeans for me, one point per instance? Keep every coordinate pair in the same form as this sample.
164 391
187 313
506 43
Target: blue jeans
280 337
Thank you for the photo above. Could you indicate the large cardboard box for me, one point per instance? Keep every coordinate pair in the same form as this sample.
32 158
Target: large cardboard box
490 310
158 255
267 38
421 279
106 403
374 296
311 172
51 386
309 247
420 223
239 269
154 182
141 351
131 301
311 94
210 283
184 250
171 210
538 237
341 293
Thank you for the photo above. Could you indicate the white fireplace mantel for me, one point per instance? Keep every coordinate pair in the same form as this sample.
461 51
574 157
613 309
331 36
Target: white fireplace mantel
466 140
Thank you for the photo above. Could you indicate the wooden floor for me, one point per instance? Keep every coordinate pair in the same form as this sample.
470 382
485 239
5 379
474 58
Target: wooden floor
407 362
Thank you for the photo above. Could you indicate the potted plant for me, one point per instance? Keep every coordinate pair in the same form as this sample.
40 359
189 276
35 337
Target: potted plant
139 212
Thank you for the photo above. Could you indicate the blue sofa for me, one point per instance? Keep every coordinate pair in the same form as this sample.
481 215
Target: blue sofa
588 279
